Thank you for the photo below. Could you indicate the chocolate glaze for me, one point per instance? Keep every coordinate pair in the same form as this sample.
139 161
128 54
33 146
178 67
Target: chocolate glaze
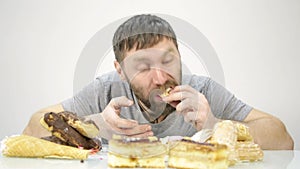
69 134
55 140
70 116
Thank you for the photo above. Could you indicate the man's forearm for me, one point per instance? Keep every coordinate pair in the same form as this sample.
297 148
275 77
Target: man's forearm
34 128
270 133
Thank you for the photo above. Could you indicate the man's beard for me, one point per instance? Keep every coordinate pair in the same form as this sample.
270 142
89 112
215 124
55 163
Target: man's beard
157 108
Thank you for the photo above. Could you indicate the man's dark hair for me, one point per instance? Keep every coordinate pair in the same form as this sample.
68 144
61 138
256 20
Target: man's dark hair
140 32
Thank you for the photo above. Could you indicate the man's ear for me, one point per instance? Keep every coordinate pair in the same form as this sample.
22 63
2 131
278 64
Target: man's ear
119 70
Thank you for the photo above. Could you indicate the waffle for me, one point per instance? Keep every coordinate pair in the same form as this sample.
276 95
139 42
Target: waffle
32 147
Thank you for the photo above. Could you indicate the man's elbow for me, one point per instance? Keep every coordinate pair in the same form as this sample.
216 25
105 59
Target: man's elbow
288 143
291 144
275 136
285 141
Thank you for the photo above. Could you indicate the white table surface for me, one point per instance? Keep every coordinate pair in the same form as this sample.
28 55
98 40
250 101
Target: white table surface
272 160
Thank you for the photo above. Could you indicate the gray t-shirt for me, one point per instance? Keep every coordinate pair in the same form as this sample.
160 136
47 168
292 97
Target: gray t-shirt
94 97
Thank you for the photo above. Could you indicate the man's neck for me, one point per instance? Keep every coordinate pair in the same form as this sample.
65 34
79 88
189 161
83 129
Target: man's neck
147 113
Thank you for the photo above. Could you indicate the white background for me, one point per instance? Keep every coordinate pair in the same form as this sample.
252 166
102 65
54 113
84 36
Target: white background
257 42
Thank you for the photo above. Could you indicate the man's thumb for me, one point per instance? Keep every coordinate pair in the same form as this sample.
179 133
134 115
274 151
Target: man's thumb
119 102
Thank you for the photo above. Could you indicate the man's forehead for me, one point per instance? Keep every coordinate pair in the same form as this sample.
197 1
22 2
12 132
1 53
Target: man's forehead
163 46
153 52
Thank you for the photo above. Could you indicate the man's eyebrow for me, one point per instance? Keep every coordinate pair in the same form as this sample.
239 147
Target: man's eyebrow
143 59
169 50
138 59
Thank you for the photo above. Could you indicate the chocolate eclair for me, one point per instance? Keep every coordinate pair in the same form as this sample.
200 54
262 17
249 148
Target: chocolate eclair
56 124
85 127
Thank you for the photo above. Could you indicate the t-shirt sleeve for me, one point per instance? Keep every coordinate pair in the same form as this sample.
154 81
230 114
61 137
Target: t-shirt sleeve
86 101
223 103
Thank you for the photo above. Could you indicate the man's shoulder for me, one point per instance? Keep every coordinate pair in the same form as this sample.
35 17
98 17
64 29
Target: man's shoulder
112 84
109 77
192 79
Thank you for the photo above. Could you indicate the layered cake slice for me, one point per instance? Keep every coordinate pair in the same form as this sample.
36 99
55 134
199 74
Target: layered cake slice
247 150
225 132
125 152
191 154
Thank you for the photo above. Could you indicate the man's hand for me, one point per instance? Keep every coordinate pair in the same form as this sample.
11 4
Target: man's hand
118 125
191 104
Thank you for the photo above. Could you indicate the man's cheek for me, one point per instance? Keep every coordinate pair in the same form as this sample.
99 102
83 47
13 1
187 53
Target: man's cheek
174 78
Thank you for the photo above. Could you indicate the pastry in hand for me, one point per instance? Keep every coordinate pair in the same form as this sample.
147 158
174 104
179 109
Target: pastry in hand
166 92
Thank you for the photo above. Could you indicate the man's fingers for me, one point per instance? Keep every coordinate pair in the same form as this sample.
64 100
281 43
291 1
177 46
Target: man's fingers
135 131
138 130
174 103
194 119
114 120
119 102
175 96
146 134
118 125
190 116
125 123
182 88
184 106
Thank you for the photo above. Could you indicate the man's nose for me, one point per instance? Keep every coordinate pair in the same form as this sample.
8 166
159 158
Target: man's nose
159 76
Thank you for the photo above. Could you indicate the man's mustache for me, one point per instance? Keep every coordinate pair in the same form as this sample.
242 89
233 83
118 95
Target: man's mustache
169 84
